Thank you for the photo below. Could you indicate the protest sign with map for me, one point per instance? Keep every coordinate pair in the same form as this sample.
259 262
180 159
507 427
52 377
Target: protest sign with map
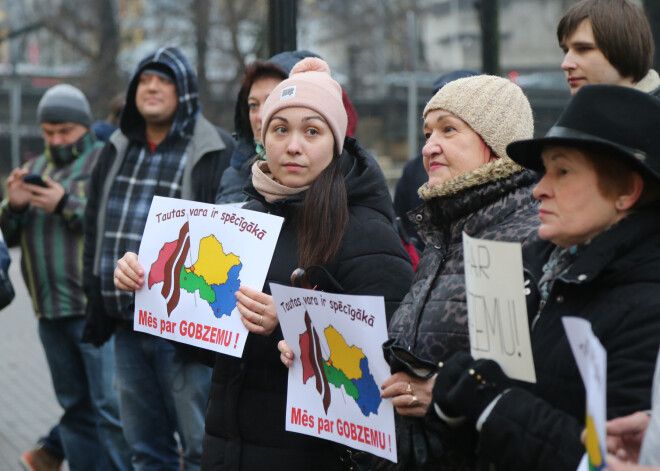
195 257
334 382
591 359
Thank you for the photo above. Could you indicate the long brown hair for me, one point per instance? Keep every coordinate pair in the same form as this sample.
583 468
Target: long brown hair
322 218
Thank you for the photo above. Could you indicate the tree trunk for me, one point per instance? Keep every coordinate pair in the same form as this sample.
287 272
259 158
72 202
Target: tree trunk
202 11
104 73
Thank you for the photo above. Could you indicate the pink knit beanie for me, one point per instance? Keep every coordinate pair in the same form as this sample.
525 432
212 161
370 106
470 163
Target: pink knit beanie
310 86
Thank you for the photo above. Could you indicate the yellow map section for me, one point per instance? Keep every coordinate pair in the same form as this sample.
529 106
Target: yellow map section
213 264
344 358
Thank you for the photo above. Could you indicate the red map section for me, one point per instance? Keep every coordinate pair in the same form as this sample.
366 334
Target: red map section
308 370
157 272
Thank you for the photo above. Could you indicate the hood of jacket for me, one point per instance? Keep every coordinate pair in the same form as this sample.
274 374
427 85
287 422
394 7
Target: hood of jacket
132 123
365 183
245 148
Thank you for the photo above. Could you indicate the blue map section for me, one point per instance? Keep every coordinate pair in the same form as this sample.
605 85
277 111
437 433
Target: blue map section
369 399
225 301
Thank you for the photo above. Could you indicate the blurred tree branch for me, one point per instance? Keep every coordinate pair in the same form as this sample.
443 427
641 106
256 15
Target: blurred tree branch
91 29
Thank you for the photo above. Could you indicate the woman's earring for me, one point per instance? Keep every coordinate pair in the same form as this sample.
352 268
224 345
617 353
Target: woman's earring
619 204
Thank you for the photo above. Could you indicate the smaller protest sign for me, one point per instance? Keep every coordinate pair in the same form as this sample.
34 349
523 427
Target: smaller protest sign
497 311
338 367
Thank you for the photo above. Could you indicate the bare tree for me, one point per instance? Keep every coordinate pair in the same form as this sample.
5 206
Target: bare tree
91 30
377 30
227 34
241 32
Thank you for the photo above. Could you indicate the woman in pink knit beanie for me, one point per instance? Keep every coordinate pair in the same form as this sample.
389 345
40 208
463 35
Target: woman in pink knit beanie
339 228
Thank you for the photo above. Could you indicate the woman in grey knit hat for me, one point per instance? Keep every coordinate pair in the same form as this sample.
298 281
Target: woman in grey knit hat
473 187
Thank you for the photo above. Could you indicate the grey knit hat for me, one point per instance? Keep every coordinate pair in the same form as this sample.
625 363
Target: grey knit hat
493 107
64 103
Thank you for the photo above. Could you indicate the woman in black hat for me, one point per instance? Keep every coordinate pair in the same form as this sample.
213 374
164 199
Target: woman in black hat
599 260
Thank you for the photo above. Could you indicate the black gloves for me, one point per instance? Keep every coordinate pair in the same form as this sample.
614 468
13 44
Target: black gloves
464 387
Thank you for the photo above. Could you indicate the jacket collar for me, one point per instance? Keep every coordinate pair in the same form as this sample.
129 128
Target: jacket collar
610 251
492 171
649 83
451 215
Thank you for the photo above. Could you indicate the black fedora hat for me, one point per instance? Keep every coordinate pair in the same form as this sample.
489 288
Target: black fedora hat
618 121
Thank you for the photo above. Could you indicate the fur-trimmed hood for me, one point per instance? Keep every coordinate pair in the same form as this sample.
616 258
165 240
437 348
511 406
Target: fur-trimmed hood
492 171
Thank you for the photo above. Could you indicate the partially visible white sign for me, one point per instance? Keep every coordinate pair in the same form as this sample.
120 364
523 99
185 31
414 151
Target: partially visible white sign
591 359
497 311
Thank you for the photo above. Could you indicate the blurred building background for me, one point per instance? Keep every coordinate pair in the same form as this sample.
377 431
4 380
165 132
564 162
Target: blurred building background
386 53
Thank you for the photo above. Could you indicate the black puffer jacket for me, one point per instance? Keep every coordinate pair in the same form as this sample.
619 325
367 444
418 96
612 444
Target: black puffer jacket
493 202
614 283
245 418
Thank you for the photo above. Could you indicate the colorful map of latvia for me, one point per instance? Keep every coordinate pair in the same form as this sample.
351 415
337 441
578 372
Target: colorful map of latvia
346 366
214 275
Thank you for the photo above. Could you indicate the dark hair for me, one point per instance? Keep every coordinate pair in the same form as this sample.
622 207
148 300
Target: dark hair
615 177
255 71
115 107
621 31
322 218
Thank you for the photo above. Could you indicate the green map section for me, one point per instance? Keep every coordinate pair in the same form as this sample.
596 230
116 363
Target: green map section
338 378
191 282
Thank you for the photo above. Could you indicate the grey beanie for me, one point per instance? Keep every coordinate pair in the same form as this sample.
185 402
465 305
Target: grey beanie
494 107
64 103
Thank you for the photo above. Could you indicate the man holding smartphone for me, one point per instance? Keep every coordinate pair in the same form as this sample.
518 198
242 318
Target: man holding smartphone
45 215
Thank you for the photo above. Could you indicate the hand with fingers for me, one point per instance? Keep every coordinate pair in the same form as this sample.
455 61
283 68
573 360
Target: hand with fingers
48 197
465 386
411 396
257 310
17 190
286 354
129 274
615 464
625 435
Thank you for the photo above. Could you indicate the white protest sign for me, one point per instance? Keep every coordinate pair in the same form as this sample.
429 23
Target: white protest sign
584 464
591 358
195 256
497 311
334 381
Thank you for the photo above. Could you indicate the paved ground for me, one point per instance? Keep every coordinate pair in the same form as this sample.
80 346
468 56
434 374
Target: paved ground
27 402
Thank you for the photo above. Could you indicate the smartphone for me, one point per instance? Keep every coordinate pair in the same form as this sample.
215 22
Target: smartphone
34 179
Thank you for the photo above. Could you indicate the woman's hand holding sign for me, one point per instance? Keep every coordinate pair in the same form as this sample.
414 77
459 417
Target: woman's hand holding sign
257 310
411 396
